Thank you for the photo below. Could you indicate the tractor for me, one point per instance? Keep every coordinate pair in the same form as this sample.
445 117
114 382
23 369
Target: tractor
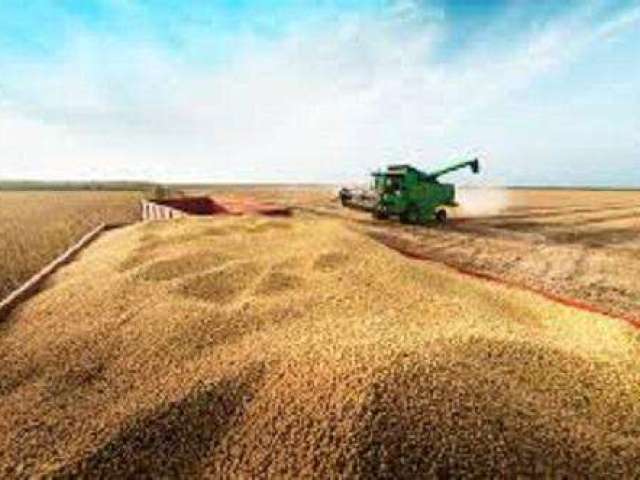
407 193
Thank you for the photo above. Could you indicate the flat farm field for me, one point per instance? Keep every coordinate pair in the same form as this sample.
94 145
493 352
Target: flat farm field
35 227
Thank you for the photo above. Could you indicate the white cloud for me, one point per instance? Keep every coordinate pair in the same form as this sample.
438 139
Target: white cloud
321 105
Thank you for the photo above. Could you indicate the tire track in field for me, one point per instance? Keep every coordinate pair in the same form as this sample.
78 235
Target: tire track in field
559 213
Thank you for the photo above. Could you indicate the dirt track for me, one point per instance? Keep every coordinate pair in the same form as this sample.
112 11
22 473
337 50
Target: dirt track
245 347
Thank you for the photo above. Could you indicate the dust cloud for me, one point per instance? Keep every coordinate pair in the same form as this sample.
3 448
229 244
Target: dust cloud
482 200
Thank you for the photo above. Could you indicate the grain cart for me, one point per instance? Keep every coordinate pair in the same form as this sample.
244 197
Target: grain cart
414 196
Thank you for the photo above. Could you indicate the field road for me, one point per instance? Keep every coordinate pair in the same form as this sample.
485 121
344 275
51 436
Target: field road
244 347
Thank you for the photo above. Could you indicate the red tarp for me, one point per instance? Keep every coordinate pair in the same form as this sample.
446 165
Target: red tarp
235 206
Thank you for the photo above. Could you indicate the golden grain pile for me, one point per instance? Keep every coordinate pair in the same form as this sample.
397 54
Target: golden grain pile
249 347
35 227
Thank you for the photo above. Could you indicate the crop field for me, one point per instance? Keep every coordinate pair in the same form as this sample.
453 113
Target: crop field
313 345
35 227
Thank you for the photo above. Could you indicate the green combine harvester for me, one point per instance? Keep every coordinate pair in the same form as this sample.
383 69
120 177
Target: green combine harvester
404 192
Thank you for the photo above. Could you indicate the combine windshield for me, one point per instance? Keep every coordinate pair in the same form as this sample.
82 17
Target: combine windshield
387 183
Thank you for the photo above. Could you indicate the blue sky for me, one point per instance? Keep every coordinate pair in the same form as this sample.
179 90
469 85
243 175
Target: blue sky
545 92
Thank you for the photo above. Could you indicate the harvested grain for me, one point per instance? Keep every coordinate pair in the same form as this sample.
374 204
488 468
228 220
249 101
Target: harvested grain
313 350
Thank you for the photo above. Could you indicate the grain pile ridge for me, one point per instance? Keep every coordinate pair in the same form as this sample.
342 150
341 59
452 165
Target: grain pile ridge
252 347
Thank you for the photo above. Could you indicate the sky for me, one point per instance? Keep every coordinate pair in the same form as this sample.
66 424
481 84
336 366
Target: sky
544 93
